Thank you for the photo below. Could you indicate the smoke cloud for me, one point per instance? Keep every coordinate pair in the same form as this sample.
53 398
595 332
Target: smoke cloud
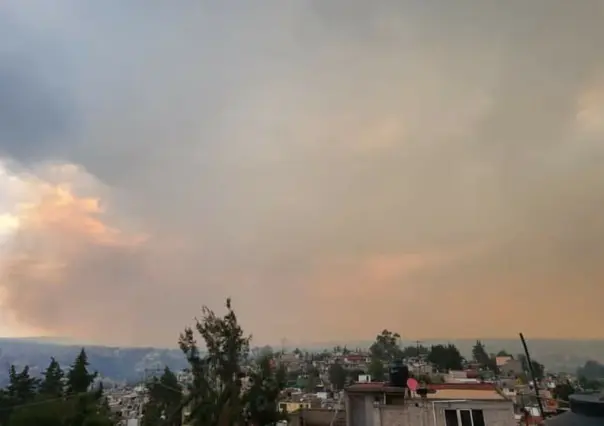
336 167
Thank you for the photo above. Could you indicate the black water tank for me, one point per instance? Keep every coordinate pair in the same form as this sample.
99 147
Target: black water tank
585 410
399 374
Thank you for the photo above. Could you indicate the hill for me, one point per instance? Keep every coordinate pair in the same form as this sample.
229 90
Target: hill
118 364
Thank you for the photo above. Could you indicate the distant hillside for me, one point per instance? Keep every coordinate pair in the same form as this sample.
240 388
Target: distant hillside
119 364
129 364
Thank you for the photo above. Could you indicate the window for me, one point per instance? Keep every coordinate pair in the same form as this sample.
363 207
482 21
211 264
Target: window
477 418
464 418
451 418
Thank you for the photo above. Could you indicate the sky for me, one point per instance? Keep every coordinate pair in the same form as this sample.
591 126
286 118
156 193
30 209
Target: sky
337 168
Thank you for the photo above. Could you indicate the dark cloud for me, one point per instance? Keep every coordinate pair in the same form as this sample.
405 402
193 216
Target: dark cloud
319 159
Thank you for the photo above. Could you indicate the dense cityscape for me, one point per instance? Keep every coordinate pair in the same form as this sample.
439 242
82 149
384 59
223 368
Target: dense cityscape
229 382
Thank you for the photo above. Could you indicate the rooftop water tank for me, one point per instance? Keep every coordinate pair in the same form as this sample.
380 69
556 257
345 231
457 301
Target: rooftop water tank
585 410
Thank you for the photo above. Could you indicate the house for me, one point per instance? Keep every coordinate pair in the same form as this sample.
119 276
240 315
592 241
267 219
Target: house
511 368
502 360
448 404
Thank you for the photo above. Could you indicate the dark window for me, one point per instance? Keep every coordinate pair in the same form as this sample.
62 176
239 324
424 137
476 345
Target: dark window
466 417
477 418
451 418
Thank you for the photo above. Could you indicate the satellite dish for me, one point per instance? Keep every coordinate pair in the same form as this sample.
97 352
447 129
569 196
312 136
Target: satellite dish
412 384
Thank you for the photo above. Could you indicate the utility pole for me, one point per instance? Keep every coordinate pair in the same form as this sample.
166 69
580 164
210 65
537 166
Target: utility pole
532 371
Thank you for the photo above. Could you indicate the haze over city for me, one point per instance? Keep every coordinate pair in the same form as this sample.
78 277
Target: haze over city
336 167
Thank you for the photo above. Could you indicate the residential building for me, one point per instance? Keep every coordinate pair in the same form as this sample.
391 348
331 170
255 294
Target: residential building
449 404
502 360
293 406
511 368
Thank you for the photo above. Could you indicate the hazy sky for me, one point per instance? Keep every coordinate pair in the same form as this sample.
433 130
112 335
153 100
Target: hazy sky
337 167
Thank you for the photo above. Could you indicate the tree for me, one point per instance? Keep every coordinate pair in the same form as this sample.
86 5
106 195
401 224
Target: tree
503 353
386 346
538 368
337 376
592 370
385 349
165 396
22 387
79 379
415 351
376 369
312 379
216 395
27 401
563 391
52 383
51 413
480 355
261 399
587 384
445 357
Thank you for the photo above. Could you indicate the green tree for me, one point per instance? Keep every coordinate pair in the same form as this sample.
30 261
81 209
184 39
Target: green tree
503 353
79 379
51 413
52 383
385 349
22 387
376 369
563 391
312 379
86 402
165 396
481 357
337 376
386 346
538 368
415 351
445 357
261 399
592 370
215 395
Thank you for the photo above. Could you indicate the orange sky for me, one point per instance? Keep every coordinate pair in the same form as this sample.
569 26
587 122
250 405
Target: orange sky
336 167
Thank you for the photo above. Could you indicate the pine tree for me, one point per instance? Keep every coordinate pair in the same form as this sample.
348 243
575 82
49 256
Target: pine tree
52 384
22 387
79 379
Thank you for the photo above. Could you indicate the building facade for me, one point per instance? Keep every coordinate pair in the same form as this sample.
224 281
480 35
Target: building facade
375 404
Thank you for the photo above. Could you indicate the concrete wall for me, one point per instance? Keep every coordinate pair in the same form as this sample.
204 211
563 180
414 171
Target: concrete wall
317 417
362 411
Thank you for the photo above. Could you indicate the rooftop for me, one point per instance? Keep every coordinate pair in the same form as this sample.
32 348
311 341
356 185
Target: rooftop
476 391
